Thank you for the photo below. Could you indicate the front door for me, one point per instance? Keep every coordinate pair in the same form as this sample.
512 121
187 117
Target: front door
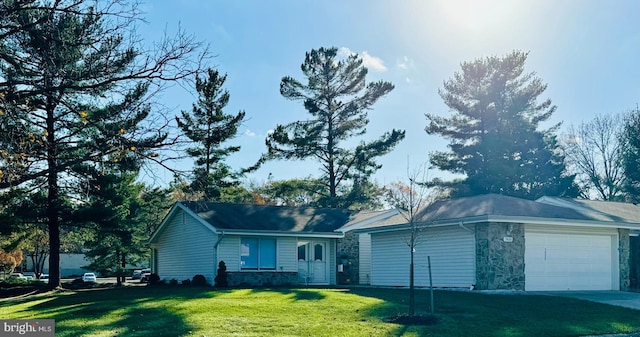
313 267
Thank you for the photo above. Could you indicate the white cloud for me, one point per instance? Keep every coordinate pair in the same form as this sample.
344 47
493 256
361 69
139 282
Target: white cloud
372 62
249 133
344 51
405 64
368 60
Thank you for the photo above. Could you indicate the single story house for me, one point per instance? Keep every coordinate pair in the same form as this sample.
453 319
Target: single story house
71 264
493 242
260 245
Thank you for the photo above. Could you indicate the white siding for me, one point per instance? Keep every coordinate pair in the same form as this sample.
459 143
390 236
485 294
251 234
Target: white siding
184 249
452 252
332 262
364 258
229 252
287 254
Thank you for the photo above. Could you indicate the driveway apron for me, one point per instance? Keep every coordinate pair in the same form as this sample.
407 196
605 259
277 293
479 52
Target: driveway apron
618 298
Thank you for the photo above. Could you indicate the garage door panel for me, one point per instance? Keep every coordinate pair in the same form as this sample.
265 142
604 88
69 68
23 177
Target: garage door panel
568 261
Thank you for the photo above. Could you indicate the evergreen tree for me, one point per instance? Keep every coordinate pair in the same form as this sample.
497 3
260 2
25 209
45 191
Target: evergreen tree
631 156
108 212
74 91
210 127
494 133
337 99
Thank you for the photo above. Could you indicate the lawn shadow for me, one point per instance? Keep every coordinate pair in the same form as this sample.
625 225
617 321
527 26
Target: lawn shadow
486 314
296 294
124 311
394 309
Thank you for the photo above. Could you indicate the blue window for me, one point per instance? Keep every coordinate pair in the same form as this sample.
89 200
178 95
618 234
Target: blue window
258 253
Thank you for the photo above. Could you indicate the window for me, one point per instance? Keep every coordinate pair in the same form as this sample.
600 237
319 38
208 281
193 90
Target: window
258 253
303 250
318 248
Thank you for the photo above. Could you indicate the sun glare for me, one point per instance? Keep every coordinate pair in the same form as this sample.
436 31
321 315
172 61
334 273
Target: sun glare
477 16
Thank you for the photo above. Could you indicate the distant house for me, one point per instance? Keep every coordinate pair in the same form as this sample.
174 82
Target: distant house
497 242
260 245
71 264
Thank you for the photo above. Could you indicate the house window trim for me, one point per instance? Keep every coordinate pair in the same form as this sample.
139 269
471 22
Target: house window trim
259 269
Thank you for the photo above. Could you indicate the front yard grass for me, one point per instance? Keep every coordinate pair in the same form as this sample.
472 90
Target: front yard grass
187 311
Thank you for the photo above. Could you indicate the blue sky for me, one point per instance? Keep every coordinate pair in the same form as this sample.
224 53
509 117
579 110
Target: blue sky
587 51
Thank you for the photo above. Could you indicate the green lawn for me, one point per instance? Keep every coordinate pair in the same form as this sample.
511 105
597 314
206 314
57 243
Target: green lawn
178 311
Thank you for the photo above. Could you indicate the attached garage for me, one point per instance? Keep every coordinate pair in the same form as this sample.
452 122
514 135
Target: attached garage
581 259
451 249
496 242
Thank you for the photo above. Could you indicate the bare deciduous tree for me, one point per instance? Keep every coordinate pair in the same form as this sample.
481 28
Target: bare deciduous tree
594 153
409 198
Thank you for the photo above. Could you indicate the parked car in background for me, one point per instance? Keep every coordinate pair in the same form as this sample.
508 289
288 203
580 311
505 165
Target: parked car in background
89 277
136 274
144 276
44 277
18 276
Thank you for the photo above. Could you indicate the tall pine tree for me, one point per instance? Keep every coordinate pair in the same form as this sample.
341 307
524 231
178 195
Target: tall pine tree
337 98
209 127
494 133
74 90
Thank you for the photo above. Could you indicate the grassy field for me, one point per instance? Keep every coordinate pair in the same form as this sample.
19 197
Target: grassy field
178 311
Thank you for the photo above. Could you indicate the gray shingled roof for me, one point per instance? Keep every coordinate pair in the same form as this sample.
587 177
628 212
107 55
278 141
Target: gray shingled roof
270 218
357 218
496 205
608 210
500 206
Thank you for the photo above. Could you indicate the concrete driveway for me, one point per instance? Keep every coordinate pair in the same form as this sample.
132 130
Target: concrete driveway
619 298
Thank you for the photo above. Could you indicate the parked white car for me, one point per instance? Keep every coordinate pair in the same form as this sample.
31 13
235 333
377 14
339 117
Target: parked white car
146 273
88 277
18 276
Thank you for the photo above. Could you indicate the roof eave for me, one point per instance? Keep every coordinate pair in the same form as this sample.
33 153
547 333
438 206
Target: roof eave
357 225
507 219
174 209
334 235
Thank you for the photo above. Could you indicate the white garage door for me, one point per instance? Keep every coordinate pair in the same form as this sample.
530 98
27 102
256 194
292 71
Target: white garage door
569 261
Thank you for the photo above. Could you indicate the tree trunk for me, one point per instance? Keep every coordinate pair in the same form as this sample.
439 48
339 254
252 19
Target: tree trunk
53 211
412 297
123 264
42 257
54 232
332 170
118 271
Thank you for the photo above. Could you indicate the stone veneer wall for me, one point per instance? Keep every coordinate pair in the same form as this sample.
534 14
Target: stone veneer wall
262 279
634 262
624 248
499 264
347 254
